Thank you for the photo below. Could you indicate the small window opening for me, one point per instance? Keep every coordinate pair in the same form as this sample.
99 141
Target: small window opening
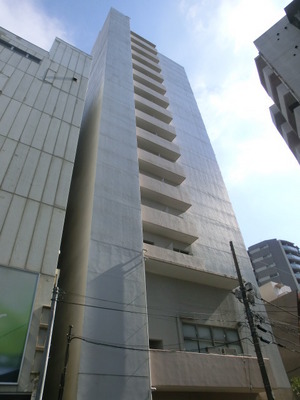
155 344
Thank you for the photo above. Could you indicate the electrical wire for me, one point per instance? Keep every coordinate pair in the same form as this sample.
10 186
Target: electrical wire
146 348
195 315
280 308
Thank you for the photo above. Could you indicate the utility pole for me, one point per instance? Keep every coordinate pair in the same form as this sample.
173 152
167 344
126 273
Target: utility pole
249 315
63 375
41 385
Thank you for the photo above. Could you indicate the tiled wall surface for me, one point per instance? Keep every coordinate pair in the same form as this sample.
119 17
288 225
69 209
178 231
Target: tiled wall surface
41 103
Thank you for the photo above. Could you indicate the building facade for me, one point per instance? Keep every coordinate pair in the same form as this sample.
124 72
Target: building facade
276 261
41 103
146 273
284 312
278 66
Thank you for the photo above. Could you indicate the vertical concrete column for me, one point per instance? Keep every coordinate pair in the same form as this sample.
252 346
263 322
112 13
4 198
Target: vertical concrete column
102 263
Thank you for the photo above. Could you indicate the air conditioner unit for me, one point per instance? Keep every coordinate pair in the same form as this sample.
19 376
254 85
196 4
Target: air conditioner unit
229 351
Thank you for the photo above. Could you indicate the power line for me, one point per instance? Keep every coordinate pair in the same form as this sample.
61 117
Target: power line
280 308
196 316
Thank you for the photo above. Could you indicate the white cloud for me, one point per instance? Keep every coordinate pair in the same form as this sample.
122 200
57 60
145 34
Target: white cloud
27 19
226 85
242 21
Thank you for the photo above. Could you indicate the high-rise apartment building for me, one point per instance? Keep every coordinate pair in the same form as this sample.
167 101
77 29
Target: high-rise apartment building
146 272
276 261
278 66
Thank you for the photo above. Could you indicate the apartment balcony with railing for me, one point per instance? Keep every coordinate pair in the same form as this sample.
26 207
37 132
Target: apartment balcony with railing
167 225
293 257
268 79
157 145
283 127
154 125
152 109
137 39
177 371
290 248
168 258
167 195
160 168
145 53
149 82
151 95
144 69
144 60
287 104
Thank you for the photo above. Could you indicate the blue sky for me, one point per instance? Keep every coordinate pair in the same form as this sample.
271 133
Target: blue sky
213 40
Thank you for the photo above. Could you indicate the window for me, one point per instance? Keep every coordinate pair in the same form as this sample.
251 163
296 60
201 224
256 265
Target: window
148 242
19 51
211 339
155 344
181 251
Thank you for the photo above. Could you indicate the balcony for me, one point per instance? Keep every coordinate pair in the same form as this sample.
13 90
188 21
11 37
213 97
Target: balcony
182 371
297 120
286 104
272 82
152 109
139 40
260 65
145 53
277 118
268 78
296 268
149 82
148 71
293 257
291 248
144 60
154 125
151 95
160 192
167 225
161 168
166 262
157 145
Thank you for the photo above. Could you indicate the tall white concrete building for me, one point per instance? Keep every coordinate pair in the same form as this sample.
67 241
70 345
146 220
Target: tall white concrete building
278 66
146 272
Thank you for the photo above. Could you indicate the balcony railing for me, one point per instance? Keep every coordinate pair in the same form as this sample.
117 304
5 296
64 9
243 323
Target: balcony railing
152 109
151 95
177 371
185 267
157 145
161 168
154 125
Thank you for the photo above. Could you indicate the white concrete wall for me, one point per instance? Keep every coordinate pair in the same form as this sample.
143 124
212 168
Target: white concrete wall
211 211
102 253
